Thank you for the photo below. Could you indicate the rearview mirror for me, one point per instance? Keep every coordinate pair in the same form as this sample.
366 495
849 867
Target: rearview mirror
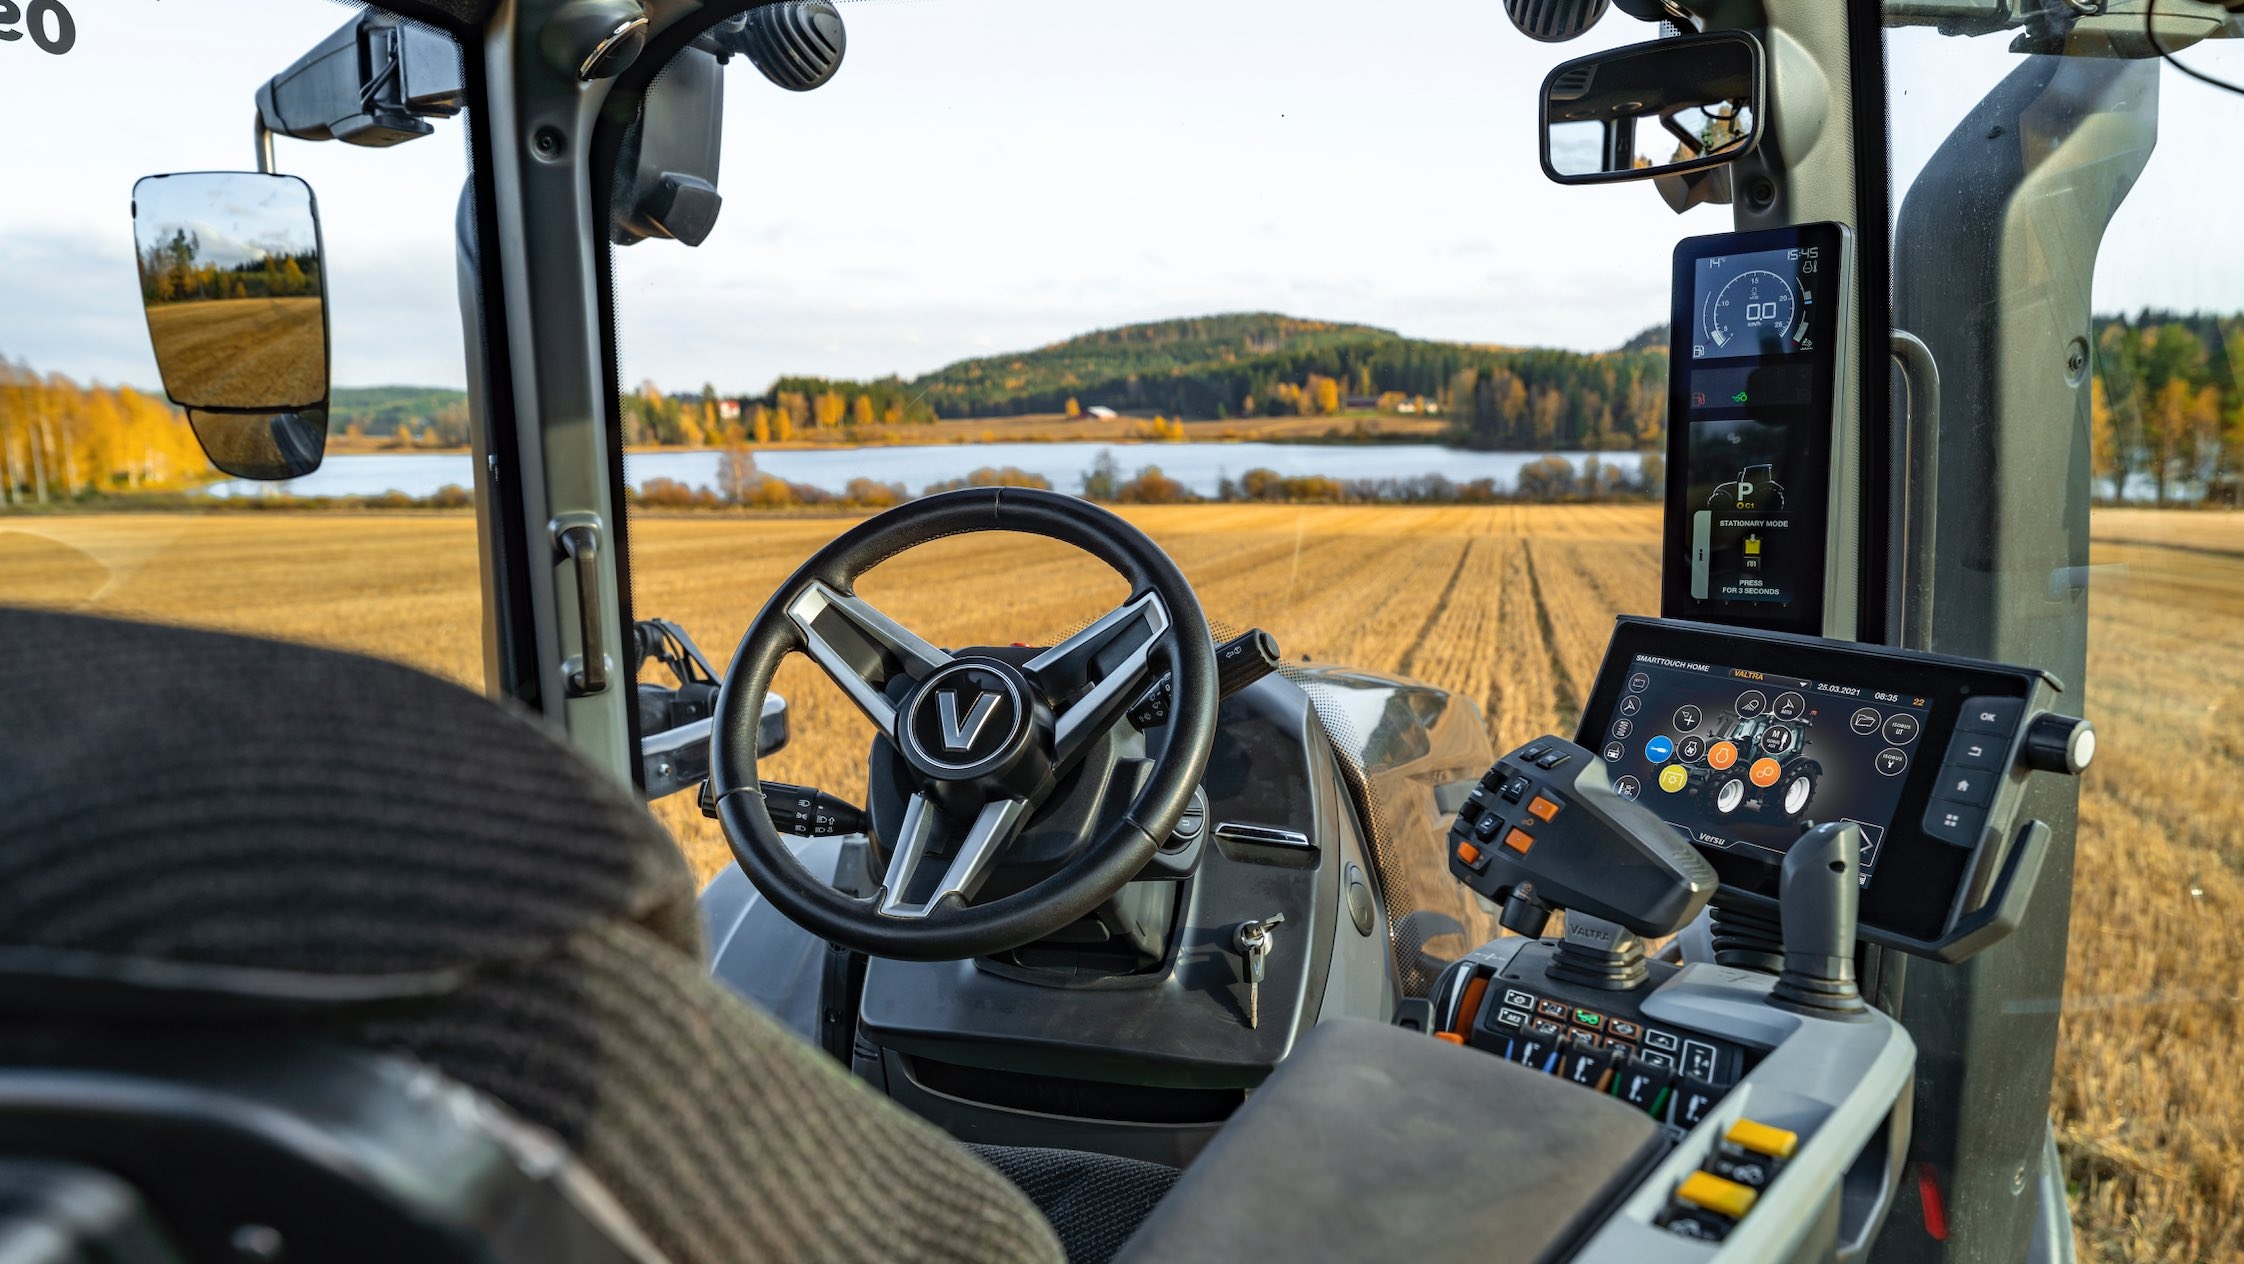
236 298
1664 108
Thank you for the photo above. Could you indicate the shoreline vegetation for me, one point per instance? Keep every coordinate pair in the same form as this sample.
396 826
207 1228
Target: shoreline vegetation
2167 413
1339 430
742 487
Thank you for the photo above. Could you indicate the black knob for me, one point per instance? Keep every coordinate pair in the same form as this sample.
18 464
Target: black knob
798 45
1553 21
2060 743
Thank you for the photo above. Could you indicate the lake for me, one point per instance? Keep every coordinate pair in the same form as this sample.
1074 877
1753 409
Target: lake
1197 465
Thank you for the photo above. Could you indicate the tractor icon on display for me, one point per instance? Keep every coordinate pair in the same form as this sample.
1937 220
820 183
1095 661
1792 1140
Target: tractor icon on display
1755 487
1753 768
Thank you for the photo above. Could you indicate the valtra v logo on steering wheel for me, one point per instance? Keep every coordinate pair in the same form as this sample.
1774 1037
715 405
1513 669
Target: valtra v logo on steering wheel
959 734
964 715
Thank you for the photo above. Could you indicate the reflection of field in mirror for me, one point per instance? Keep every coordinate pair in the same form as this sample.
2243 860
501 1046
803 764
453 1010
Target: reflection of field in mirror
242 352
1508 606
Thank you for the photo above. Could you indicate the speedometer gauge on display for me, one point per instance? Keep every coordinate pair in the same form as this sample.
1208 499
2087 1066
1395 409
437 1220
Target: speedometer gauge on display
1755 309
1755 304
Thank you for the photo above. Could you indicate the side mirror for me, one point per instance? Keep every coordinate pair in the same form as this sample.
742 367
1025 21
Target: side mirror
236 297
1663 108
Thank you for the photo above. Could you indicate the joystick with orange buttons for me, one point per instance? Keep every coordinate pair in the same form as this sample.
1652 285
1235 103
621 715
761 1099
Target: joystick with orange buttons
1544 830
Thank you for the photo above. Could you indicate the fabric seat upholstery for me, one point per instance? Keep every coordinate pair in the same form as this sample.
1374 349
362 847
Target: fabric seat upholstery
199 798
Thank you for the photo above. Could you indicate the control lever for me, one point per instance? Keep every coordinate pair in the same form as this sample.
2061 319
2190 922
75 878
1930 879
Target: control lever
1240 662
1545 831
1245 659
1817 899
801 811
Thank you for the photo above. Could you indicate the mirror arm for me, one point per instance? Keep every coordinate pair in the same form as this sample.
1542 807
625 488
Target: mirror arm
374 82
264 146
1677 130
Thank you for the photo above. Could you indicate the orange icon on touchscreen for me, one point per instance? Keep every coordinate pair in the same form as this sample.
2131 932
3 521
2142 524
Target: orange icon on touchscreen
1765 773
1721 755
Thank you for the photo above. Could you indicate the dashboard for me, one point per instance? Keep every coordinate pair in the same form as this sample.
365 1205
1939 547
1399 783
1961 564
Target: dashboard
1739 741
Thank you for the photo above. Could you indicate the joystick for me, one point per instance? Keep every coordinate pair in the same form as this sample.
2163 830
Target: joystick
1545 831
1817 900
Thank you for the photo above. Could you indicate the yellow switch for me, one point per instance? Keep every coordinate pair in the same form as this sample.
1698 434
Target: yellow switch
1753 546
1762 1139
1710 1192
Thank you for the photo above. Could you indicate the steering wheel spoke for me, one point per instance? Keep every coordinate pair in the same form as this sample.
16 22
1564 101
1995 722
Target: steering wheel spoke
1094 673
992 829
861 648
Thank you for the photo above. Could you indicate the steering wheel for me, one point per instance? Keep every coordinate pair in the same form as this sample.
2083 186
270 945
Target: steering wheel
983 742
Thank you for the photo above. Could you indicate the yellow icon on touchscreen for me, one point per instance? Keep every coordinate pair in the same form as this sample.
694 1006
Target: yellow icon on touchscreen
1674 777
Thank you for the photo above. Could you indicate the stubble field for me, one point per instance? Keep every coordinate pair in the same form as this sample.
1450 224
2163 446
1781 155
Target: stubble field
1509 606
242 352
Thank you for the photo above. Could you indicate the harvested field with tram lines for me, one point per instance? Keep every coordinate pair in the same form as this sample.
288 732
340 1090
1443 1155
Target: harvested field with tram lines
243 350
1508 606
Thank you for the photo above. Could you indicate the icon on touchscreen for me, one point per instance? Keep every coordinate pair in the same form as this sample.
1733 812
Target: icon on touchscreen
1721 756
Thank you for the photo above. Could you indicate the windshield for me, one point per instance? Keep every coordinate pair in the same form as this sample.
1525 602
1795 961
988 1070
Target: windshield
1308 320
2151 319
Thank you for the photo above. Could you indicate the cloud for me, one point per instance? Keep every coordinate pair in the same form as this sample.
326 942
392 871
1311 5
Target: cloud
85 293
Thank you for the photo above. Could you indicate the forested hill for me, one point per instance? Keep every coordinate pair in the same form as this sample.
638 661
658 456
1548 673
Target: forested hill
1043 380
1264 364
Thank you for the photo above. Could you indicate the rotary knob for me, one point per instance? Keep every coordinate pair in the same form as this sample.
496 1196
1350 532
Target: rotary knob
2060 743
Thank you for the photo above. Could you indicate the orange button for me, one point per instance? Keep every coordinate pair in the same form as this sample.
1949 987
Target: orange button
1450 1036
1467 852
1519 840
1543 807
1765 772
1721 755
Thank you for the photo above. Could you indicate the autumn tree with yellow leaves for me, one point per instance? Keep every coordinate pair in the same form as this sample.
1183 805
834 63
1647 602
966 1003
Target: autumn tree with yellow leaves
60 441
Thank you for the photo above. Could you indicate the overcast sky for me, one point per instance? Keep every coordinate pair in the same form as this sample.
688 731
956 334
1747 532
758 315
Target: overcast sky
989 175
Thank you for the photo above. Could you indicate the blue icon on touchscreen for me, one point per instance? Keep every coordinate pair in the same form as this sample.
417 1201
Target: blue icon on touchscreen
1659 748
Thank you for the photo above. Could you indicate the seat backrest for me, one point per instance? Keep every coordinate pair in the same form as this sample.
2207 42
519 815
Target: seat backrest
290 933
206 1148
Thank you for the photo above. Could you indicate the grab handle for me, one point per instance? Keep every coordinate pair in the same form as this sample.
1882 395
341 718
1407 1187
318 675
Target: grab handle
588 674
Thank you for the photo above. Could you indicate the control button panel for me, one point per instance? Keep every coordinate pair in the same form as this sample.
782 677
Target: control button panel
1672 1074
1978 758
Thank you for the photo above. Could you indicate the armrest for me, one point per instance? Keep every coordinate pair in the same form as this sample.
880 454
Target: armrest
1374 1142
